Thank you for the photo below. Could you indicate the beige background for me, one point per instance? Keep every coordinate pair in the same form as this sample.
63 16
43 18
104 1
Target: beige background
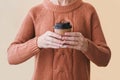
12 13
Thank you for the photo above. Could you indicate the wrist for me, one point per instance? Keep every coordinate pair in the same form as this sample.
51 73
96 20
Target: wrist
85 46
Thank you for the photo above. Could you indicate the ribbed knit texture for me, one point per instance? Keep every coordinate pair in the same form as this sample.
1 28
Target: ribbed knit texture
60 64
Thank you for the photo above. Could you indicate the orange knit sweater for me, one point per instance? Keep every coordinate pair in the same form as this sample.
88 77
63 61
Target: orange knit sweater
60 64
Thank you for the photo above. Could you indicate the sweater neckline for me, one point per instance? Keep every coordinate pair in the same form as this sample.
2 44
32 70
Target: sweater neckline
57 8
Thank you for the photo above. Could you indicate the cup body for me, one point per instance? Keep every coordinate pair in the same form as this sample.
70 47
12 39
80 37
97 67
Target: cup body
61 28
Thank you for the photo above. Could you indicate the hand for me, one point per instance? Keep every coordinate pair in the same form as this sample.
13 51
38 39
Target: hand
75 40
49 40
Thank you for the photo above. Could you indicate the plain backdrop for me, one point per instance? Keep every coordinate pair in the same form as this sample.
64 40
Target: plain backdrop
12 13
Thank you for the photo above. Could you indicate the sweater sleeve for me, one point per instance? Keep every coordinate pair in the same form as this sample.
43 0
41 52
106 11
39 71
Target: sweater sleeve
98 51
25 43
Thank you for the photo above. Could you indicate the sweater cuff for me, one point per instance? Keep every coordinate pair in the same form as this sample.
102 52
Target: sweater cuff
33 45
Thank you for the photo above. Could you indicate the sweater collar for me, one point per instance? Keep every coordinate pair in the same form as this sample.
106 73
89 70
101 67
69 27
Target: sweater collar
57 8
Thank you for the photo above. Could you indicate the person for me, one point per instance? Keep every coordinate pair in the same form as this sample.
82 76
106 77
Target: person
61 57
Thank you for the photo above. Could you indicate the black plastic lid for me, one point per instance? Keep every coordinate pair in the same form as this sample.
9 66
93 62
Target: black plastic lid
65 25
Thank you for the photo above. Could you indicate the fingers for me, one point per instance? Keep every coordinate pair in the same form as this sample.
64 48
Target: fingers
52 34
53 40
49 40
52 45
70 43
70 38
73 34
74 40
